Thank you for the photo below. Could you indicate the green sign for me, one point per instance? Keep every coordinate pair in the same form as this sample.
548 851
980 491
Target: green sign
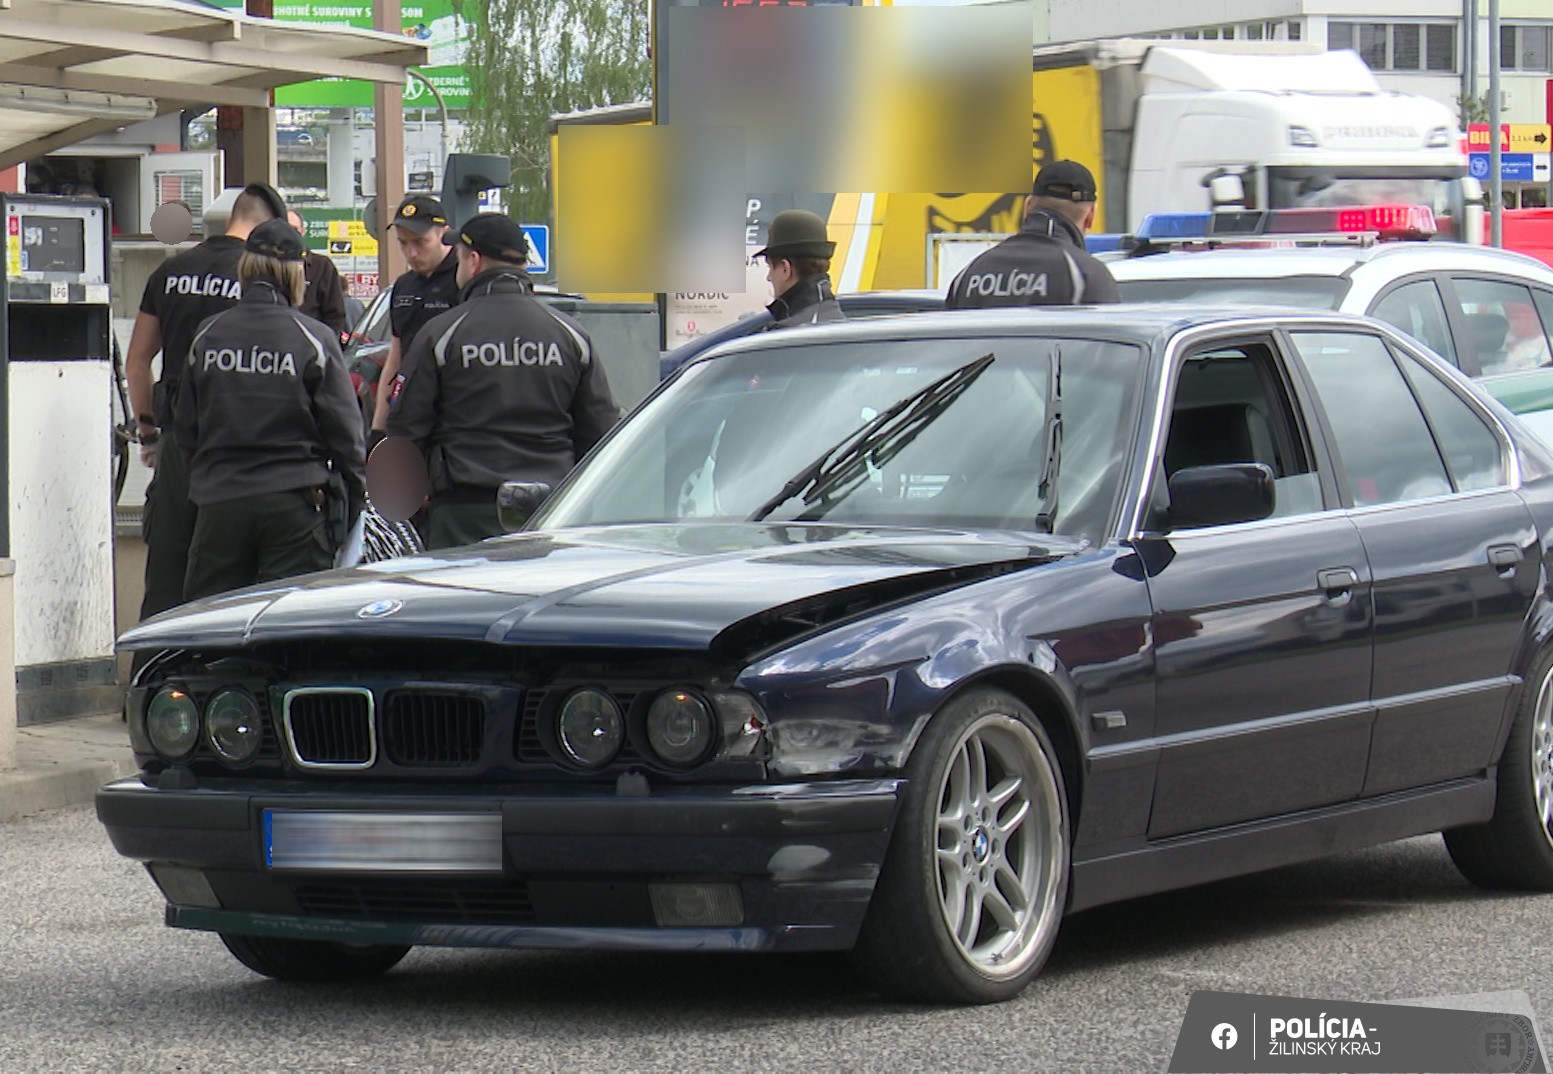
432 22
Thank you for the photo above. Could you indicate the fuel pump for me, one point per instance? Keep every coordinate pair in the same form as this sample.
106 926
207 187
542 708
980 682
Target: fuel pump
56 427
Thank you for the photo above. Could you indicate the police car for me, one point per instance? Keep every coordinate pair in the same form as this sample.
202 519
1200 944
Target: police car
1488 311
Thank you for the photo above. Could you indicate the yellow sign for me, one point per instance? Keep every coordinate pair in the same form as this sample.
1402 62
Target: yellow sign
1065 125
354 234
1530 138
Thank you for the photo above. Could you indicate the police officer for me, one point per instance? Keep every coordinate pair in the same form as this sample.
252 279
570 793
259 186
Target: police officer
180 294
427 289
265 412
325 297
500 388
1045 264
798 253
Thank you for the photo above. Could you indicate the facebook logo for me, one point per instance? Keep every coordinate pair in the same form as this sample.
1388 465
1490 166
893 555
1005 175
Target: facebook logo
1224 1036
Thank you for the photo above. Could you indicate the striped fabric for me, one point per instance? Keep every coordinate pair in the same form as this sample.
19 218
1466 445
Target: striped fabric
382 539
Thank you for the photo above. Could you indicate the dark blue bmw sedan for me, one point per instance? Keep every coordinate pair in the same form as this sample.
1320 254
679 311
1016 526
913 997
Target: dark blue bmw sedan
907 637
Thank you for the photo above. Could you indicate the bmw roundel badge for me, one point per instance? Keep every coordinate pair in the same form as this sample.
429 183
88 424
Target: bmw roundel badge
379 609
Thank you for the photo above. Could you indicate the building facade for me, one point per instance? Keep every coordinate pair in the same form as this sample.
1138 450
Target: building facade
1413 46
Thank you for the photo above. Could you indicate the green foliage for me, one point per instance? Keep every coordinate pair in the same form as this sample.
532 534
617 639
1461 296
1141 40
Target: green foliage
1471 109
529 59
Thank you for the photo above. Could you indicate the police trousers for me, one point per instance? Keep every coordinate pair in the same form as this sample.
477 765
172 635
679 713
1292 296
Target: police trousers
256 539
462 515
167 526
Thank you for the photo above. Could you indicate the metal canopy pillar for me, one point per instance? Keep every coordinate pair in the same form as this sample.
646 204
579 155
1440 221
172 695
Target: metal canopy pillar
388 129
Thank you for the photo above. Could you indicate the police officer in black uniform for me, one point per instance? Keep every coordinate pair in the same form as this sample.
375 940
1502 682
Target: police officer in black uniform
798 253
180 294
430 287
500 388
264 414
325 297
1045 264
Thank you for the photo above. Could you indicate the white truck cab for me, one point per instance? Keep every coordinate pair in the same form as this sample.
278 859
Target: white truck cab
1298 130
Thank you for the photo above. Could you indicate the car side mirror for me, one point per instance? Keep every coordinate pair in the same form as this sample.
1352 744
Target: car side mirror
516 502
1227 192
1220 495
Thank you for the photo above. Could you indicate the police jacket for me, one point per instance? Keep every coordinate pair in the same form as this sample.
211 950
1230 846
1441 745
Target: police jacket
809 301
1045 264
417 299
181 293
501 388
266 405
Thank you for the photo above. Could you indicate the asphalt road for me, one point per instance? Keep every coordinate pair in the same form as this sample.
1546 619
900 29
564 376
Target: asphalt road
90 980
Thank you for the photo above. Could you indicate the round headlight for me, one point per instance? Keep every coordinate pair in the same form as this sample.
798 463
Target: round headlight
232 725
173 723
590 728
680 727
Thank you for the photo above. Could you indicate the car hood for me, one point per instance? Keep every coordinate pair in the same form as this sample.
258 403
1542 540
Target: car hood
658 586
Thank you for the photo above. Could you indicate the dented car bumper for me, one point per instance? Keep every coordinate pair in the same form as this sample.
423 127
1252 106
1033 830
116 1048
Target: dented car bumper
759 867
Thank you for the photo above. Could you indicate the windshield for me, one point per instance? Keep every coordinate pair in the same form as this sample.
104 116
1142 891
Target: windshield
1306 292
733 432
1306 189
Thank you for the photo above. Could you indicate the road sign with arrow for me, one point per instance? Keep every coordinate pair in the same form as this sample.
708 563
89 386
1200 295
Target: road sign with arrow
1529 137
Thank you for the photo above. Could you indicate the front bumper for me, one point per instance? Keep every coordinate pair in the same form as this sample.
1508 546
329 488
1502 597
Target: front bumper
576 864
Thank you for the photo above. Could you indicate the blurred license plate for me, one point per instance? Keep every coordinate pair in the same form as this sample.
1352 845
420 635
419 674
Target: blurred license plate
383 842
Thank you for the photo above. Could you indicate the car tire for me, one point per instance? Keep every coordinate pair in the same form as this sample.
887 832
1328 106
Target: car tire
975 881
320 961
1514 849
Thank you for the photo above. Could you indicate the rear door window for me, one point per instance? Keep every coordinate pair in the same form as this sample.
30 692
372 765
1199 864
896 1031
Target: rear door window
1469 446
1385 450
1418 310
1503 325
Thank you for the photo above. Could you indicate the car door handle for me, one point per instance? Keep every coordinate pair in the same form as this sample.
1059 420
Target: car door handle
1505 558
1338 584
1337 578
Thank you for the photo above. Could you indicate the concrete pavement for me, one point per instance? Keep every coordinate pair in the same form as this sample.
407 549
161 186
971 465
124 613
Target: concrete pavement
62 764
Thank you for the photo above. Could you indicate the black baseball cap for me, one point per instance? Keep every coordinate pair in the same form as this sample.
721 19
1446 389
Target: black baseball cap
492 234
277 239
1066 180
419 213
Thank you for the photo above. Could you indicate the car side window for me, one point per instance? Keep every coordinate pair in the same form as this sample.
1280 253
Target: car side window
1418 310
1384 445
1502 324
1470 448
1231 405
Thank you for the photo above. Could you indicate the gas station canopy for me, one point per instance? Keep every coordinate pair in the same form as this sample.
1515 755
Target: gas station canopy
71 69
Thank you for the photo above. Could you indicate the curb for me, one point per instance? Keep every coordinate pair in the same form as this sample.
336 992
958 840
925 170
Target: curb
62 787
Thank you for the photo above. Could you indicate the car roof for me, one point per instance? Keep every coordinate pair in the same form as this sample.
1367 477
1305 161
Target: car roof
1276 262
910 298
1140 323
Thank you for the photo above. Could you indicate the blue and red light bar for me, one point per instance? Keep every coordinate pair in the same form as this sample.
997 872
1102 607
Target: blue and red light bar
1349 222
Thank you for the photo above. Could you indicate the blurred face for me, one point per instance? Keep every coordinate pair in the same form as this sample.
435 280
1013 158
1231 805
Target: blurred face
423 251
295 220
781 275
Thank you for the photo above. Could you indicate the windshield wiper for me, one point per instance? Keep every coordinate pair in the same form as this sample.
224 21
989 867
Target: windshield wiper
1046 513
884 435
